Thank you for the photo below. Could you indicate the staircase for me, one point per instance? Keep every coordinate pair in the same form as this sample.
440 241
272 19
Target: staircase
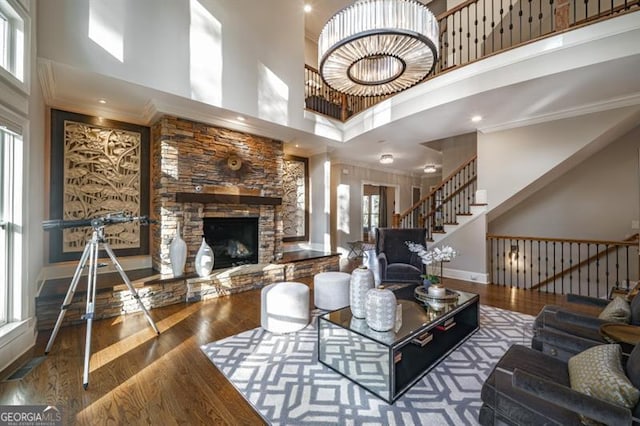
448 206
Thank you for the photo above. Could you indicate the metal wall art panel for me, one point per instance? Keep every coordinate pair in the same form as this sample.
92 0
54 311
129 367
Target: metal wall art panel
98 167
295 200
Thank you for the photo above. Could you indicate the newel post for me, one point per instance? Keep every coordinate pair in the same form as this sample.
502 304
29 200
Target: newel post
562 15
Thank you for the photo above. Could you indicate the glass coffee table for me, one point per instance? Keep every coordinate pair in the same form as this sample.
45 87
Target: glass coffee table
388 364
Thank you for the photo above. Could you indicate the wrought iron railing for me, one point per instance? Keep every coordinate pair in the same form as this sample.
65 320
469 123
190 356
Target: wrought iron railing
562 266
476 29
321 98
442 206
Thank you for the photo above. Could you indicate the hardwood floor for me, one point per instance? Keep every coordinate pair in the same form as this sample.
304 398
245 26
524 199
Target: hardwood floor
137 377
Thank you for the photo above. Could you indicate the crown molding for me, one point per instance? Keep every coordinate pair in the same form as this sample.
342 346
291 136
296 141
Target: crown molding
150 112
619 102
47 80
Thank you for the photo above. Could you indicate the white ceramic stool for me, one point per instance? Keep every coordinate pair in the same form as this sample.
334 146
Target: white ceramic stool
284 307
331 290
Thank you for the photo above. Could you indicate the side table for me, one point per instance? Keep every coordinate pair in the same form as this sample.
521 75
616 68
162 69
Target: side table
621 333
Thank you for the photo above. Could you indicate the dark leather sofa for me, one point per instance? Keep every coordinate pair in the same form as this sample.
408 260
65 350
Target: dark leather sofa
561 332
528 387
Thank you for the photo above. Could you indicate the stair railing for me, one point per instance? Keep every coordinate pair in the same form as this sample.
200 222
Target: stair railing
453 197
562 266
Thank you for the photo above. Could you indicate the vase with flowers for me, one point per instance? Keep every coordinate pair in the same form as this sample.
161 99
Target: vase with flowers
433 261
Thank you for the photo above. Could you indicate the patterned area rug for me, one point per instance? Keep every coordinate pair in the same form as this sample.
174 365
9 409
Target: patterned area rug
282 379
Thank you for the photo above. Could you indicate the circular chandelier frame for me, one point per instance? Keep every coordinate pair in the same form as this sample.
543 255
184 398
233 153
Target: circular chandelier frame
391 50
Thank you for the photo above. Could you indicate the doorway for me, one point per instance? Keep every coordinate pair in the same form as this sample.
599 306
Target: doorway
378 207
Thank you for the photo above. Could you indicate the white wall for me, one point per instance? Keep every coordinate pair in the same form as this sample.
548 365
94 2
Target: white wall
530 157
311 52
346 196
469 241
597 199
457 150
319 226
160 44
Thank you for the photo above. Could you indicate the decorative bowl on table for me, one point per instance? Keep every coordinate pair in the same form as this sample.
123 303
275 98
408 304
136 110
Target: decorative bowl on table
435 301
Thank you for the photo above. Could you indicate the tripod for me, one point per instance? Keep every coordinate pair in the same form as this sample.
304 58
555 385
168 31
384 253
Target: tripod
90 254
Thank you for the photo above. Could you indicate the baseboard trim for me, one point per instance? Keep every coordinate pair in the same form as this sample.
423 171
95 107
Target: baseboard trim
458 274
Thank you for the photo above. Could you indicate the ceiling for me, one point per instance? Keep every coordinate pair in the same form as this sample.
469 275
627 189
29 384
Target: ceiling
430 111
321 12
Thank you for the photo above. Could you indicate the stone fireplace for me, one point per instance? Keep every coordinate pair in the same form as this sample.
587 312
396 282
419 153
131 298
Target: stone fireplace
204 172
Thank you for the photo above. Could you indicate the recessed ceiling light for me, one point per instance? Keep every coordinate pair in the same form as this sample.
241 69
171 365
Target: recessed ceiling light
307 8
102 101
297 146
240 118
386 159
476 118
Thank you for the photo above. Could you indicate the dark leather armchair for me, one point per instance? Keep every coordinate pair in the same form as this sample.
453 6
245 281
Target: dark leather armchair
527 387
556 326
395 261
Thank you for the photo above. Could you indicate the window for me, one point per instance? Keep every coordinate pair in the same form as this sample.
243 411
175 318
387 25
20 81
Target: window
12 42
370 212
4 41
10 204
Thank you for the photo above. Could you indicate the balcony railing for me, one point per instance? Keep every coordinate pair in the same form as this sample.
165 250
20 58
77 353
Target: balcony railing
561 266
474 30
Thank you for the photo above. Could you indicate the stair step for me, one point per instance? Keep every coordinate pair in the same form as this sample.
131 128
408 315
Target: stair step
438 232
452 223
478 204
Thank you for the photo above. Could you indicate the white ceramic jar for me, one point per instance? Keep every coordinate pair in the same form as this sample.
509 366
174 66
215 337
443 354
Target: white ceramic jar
360 283
381 309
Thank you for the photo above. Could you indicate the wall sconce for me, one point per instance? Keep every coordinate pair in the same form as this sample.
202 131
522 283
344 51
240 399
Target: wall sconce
513 253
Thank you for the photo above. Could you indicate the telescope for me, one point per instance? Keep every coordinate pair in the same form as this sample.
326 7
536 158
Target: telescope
96 222
90 258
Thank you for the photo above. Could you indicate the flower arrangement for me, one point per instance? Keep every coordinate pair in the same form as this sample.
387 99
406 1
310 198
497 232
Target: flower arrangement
432 258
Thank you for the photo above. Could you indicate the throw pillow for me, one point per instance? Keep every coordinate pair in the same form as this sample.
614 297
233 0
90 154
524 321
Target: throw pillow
598 372
635 290
618 310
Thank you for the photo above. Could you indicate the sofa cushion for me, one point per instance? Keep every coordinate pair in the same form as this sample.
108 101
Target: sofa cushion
633 366
618 310
598 372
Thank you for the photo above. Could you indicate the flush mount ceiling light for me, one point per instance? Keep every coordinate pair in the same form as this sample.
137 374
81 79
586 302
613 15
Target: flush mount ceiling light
386 159
378 47
430 168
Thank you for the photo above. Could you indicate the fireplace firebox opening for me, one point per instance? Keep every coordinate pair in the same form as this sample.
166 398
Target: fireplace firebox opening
234 240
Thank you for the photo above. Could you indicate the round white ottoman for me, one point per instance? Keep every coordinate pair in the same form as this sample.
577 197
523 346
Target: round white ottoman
331 290
285 307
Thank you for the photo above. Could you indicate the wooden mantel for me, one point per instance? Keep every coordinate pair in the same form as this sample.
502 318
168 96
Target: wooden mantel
218 198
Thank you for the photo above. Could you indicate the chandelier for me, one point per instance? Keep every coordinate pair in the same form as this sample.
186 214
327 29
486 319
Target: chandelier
378 47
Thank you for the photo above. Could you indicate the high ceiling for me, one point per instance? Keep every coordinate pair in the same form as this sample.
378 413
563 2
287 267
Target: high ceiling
536 83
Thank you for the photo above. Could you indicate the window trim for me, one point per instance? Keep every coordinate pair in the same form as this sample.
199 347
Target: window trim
7 75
